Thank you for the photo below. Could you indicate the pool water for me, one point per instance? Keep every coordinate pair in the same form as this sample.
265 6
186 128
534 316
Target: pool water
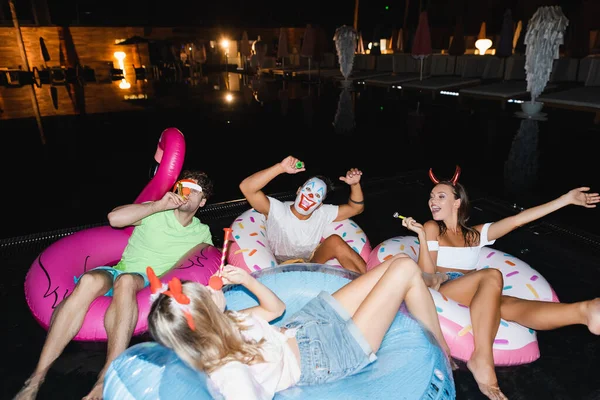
92 163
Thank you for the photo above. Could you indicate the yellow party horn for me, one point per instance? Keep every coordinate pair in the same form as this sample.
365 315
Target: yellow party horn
396 215
180 190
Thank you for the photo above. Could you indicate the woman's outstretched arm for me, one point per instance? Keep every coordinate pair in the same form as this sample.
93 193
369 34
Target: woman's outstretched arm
269 305
578 196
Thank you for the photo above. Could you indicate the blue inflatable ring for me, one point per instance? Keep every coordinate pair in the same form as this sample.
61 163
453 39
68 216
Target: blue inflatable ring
410 364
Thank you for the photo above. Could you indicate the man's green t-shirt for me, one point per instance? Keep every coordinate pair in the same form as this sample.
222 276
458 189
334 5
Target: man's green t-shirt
160 241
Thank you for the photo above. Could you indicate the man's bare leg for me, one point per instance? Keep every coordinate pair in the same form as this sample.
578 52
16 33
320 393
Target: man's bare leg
335 247
66 321
120 320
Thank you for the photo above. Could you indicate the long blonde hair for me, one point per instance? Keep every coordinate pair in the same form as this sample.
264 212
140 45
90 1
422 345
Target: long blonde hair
216 339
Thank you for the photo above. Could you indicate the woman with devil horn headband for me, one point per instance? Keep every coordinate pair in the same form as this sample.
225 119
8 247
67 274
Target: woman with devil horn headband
449 245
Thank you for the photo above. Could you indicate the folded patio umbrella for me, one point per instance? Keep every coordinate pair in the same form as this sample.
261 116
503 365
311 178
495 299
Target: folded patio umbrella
457 47
309 44
519 39
482 32
202 56
505 45
400 41
321 42
360 49
282 46
421 47
245 45
391 44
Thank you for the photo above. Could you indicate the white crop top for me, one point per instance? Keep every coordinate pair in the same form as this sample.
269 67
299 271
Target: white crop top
281 370
464 258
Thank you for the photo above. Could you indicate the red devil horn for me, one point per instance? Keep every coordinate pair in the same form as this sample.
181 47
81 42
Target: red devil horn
175 291
155 284
432 177
456 175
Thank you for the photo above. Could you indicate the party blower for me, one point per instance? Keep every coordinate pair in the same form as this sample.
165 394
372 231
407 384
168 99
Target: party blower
215 281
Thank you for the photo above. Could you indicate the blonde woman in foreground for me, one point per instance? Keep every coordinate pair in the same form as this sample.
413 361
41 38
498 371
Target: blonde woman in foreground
332 337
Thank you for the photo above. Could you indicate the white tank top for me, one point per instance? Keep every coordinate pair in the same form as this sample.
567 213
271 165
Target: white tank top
464 258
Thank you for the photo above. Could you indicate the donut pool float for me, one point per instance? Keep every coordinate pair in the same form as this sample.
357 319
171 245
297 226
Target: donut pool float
249 248
409 365
514 343
50 278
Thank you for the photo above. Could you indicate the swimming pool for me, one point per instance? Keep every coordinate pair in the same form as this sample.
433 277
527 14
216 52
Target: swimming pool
92 163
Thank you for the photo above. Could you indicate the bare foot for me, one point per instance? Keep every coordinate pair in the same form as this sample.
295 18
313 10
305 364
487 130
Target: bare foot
96 392
485 376
30 389
593 316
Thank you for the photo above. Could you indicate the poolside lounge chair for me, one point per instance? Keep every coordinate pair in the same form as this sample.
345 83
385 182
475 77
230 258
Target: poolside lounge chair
320 68
514 85
450 73
405 68
586 97
267 67
364 67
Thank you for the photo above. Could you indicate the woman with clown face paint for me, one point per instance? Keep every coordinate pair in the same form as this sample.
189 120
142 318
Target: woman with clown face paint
295 229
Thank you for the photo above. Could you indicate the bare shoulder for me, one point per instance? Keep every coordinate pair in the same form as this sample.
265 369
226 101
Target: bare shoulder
431 228
478 228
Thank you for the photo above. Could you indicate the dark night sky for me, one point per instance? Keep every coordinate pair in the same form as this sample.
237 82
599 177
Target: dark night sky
329 14
265 13
229 12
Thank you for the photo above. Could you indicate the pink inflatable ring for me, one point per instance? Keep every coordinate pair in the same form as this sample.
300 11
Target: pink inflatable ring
514 344
50 278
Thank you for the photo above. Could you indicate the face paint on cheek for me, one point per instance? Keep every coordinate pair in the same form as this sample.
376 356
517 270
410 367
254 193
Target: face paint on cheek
311 196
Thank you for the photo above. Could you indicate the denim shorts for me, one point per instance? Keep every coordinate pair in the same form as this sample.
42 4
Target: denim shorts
452 275
115 274
331 345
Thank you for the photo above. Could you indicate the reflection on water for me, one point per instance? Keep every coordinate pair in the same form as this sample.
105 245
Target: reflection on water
306 121
308 108
260 90
344 116
284 99
522 164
